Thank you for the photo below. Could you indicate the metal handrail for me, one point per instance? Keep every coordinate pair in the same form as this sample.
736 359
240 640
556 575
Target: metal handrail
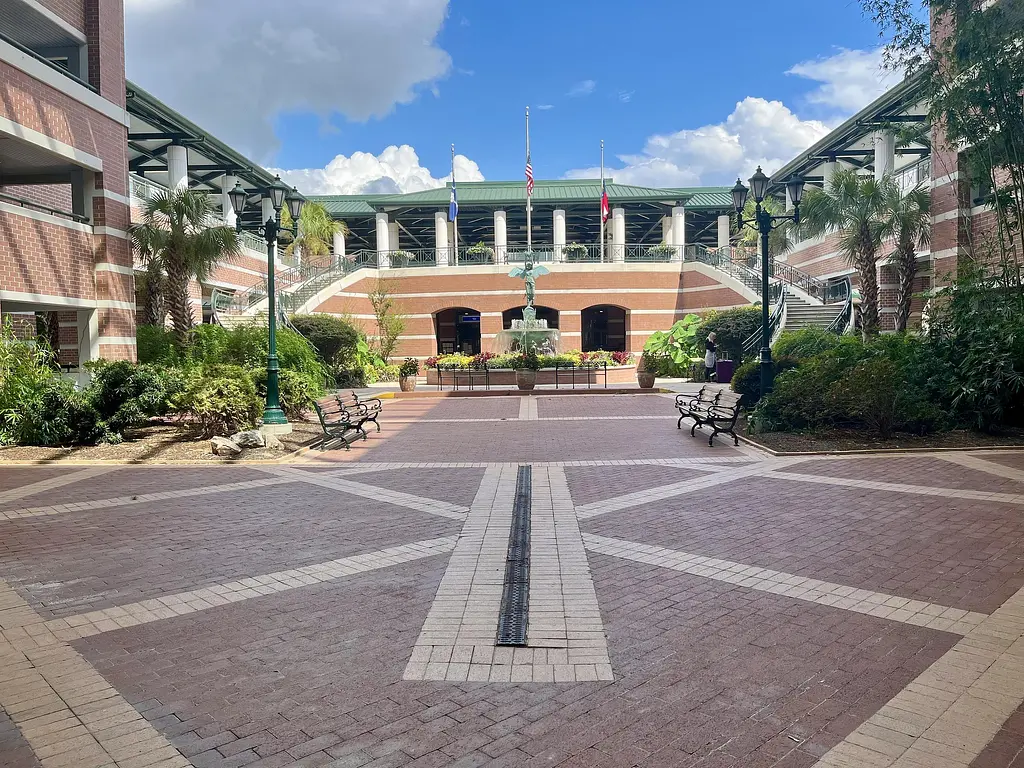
52 65
841 322
21 201
753 341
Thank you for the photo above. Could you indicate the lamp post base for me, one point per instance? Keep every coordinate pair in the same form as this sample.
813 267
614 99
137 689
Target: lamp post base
276 429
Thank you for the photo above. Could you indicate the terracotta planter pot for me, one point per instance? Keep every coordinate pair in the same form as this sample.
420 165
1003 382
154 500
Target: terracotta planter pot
407 383
526 379
645 379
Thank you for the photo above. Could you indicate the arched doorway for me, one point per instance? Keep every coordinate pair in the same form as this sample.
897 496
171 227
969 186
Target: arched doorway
604 327
516 313
457 330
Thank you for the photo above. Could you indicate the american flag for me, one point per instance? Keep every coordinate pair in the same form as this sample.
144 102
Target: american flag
529 175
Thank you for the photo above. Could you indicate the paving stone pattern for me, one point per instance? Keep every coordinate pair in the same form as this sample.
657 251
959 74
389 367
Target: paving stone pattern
690 606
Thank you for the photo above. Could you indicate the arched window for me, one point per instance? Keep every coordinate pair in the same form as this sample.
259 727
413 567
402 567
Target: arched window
516 313
604 327
457 330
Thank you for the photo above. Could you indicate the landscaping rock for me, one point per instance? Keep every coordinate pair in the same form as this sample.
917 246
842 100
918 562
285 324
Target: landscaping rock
273 442
222 446
252 438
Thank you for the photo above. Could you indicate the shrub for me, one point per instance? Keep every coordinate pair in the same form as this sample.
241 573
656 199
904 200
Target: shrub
296 391
877 394
805 343
409 367
386 372
57 414
746 380
334 338
220 400
155 344
673 352
126 394
24 370
732 327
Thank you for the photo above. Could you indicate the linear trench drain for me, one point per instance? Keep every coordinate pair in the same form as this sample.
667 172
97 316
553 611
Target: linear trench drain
515 598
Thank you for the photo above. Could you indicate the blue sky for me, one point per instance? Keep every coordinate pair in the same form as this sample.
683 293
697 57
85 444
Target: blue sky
659 80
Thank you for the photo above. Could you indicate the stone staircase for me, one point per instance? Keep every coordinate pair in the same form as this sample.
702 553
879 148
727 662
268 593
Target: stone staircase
803 314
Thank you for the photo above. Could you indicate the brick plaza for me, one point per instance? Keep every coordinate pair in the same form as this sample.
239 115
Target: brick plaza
689 606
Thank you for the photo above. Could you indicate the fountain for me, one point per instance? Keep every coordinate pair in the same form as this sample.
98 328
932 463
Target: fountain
528 334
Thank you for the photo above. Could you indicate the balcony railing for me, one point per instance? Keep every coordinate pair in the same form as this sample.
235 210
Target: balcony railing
914 175
34 206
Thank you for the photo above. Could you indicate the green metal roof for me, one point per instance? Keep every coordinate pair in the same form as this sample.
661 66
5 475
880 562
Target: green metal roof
496 193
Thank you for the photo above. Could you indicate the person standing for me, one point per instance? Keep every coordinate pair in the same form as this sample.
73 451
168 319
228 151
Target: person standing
710 357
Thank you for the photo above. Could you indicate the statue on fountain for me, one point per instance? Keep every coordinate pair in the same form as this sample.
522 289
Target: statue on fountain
529 273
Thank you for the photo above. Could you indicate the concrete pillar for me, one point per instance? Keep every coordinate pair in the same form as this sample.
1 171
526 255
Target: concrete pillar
618 250
724 230
678 232
885 153
393 237
339 246
383 259
177 167
441 238
558 240
500 237
789 202
666 229
88 335
227 183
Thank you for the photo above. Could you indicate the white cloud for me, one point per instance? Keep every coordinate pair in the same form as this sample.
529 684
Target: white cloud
626 96
583 88
850 80
545 106
396 169
234 70
758 131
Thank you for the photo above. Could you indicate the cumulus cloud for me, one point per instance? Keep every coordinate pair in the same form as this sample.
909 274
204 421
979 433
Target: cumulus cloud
850 79
583 88
758 131
234 70
396 169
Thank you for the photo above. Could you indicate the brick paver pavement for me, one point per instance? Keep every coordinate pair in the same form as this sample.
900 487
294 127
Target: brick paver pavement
841 612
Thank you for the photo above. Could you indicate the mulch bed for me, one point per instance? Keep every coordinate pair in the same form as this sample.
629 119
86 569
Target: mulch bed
160 444
835 440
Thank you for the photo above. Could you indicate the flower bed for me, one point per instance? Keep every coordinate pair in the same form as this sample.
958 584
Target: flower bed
502 377
513 360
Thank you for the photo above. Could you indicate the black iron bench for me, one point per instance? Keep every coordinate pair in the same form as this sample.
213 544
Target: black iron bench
721 416
336 422
695 406
360 411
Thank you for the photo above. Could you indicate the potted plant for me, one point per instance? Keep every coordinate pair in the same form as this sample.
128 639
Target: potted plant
650 364
526 370
400 259
407 373
480 253
574 252
662 252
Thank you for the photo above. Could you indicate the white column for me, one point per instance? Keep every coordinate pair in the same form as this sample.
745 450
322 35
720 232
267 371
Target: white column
383 260
393 238
500 237
558 239
789 202
618 234
339 246
678 232
666 229
441 238
177 167
227 183
828 170
724 229
885 153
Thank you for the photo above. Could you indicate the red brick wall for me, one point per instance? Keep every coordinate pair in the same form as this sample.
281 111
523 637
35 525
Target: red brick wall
50 195
72 11
104 28
39 257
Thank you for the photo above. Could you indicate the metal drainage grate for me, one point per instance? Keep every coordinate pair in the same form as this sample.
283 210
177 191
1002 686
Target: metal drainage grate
515 598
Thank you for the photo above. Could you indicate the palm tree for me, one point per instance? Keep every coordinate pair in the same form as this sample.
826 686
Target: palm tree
175 239
853 206
909 224
750 239
316 231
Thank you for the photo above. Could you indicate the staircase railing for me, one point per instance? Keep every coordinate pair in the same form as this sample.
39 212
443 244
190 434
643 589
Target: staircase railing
775 323
842 321
722 259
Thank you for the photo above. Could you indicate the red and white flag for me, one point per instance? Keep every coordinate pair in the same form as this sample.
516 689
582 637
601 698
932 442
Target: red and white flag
529 174
606 210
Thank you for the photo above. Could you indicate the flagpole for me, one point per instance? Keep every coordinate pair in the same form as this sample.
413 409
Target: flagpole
601 204
529 202
455 218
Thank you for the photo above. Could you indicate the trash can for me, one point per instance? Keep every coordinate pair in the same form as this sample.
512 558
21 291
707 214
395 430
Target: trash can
723 371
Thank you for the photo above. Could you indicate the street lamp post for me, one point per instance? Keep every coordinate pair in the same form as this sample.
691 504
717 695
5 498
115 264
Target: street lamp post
274 420
764 223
